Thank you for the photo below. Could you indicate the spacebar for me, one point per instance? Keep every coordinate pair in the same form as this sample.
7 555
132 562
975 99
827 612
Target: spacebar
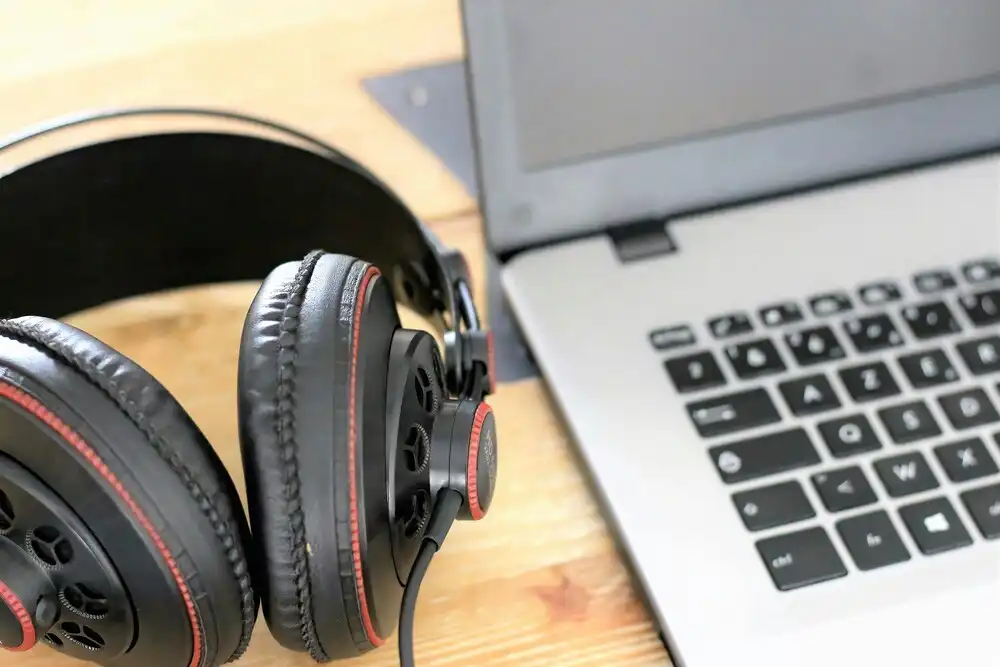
764 455
733 412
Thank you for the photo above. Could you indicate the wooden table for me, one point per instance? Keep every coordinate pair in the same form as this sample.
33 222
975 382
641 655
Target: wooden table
539 582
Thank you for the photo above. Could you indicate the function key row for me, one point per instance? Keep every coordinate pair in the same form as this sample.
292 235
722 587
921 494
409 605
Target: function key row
875 293
819 344
760 357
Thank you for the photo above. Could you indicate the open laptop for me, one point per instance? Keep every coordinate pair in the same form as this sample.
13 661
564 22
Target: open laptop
754 249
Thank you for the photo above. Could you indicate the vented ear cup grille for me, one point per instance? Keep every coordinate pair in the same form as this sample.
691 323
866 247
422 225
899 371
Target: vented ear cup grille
415 451
82 635
7 515
416 386
414 513
84 601
426 391
438 368
89 606
48 546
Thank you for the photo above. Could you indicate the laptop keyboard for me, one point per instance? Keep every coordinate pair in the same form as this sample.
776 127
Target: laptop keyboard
854 388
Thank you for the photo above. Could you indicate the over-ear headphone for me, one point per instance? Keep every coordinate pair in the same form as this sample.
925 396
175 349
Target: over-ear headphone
122 537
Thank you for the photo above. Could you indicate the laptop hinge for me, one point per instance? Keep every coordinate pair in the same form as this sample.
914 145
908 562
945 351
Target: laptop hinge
642 240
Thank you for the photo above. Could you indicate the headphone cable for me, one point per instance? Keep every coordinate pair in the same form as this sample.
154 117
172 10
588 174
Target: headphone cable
442 518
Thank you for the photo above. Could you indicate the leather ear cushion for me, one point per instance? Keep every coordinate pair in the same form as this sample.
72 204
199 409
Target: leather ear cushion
178 448
298 429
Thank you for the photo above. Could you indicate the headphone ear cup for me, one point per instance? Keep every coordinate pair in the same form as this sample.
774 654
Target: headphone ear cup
146 483
312 377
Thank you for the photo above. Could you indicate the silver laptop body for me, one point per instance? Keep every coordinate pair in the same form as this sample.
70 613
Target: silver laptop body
753 248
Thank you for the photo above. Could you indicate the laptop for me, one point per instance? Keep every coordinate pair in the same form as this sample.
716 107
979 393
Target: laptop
754 249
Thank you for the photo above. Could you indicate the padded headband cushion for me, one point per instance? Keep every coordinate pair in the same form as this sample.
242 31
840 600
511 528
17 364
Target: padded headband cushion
285 198
311 411
206 529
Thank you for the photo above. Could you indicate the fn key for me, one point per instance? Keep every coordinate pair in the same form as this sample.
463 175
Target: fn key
801 559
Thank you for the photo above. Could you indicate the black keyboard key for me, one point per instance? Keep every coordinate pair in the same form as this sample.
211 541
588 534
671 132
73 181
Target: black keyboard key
984 506
872 541
730 324
755 358
809 395
733 412
846 436
778 314
813 346
966 460
868 382
982 355
880 292
981 270
670 338
872 333
906 474
800 559
927 369
844 489
694 372
830 304
982 307
935 526
909 422
968 408
771 506
764 455
929 282
930 320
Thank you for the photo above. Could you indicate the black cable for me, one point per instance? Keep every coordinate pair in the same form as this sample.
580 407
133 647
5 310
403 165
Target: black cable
443 516
406 613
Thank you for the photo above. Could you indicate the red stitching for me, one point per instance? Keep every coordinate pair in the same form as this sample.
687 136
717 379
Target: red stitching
359 577
90 456
16 607
472 481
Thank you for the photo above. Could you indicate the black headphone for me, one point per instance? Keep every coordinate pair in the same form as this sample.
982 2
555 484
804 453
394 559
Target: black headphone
122 537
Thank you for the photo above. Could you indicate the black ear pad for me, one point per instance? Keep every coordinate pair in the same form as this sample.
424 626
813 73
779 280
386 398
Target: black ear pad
312 384
146 481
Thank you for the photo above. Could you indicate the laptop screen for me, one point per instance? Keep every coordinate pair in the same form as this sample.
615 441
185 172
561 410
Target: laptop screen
594 113
592 77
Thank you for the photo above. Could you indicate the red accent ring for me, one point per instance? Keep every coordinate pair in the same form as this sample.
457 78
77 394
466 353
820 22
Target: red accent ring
16 607
32 405
472 469
359 575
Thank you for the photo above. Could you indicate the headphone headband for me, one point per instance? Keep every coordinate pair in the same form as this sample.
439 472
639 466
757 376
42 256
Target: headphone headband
140 214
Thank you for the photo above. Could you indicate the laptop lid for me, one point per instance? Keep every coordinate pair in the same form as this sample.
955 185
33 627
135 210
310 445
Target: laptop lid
589 114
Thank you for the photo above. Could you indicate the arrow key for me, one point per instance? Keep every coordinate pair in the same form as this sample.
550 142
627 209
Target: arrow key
843 489
771 506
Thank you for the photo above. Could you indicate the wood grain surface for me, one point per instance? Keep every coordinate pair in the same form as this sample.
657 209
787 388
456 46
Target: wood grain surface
539 581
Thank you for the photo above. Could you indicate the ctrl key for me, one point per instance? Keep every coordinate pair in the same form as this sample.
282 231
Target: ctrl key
800 559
